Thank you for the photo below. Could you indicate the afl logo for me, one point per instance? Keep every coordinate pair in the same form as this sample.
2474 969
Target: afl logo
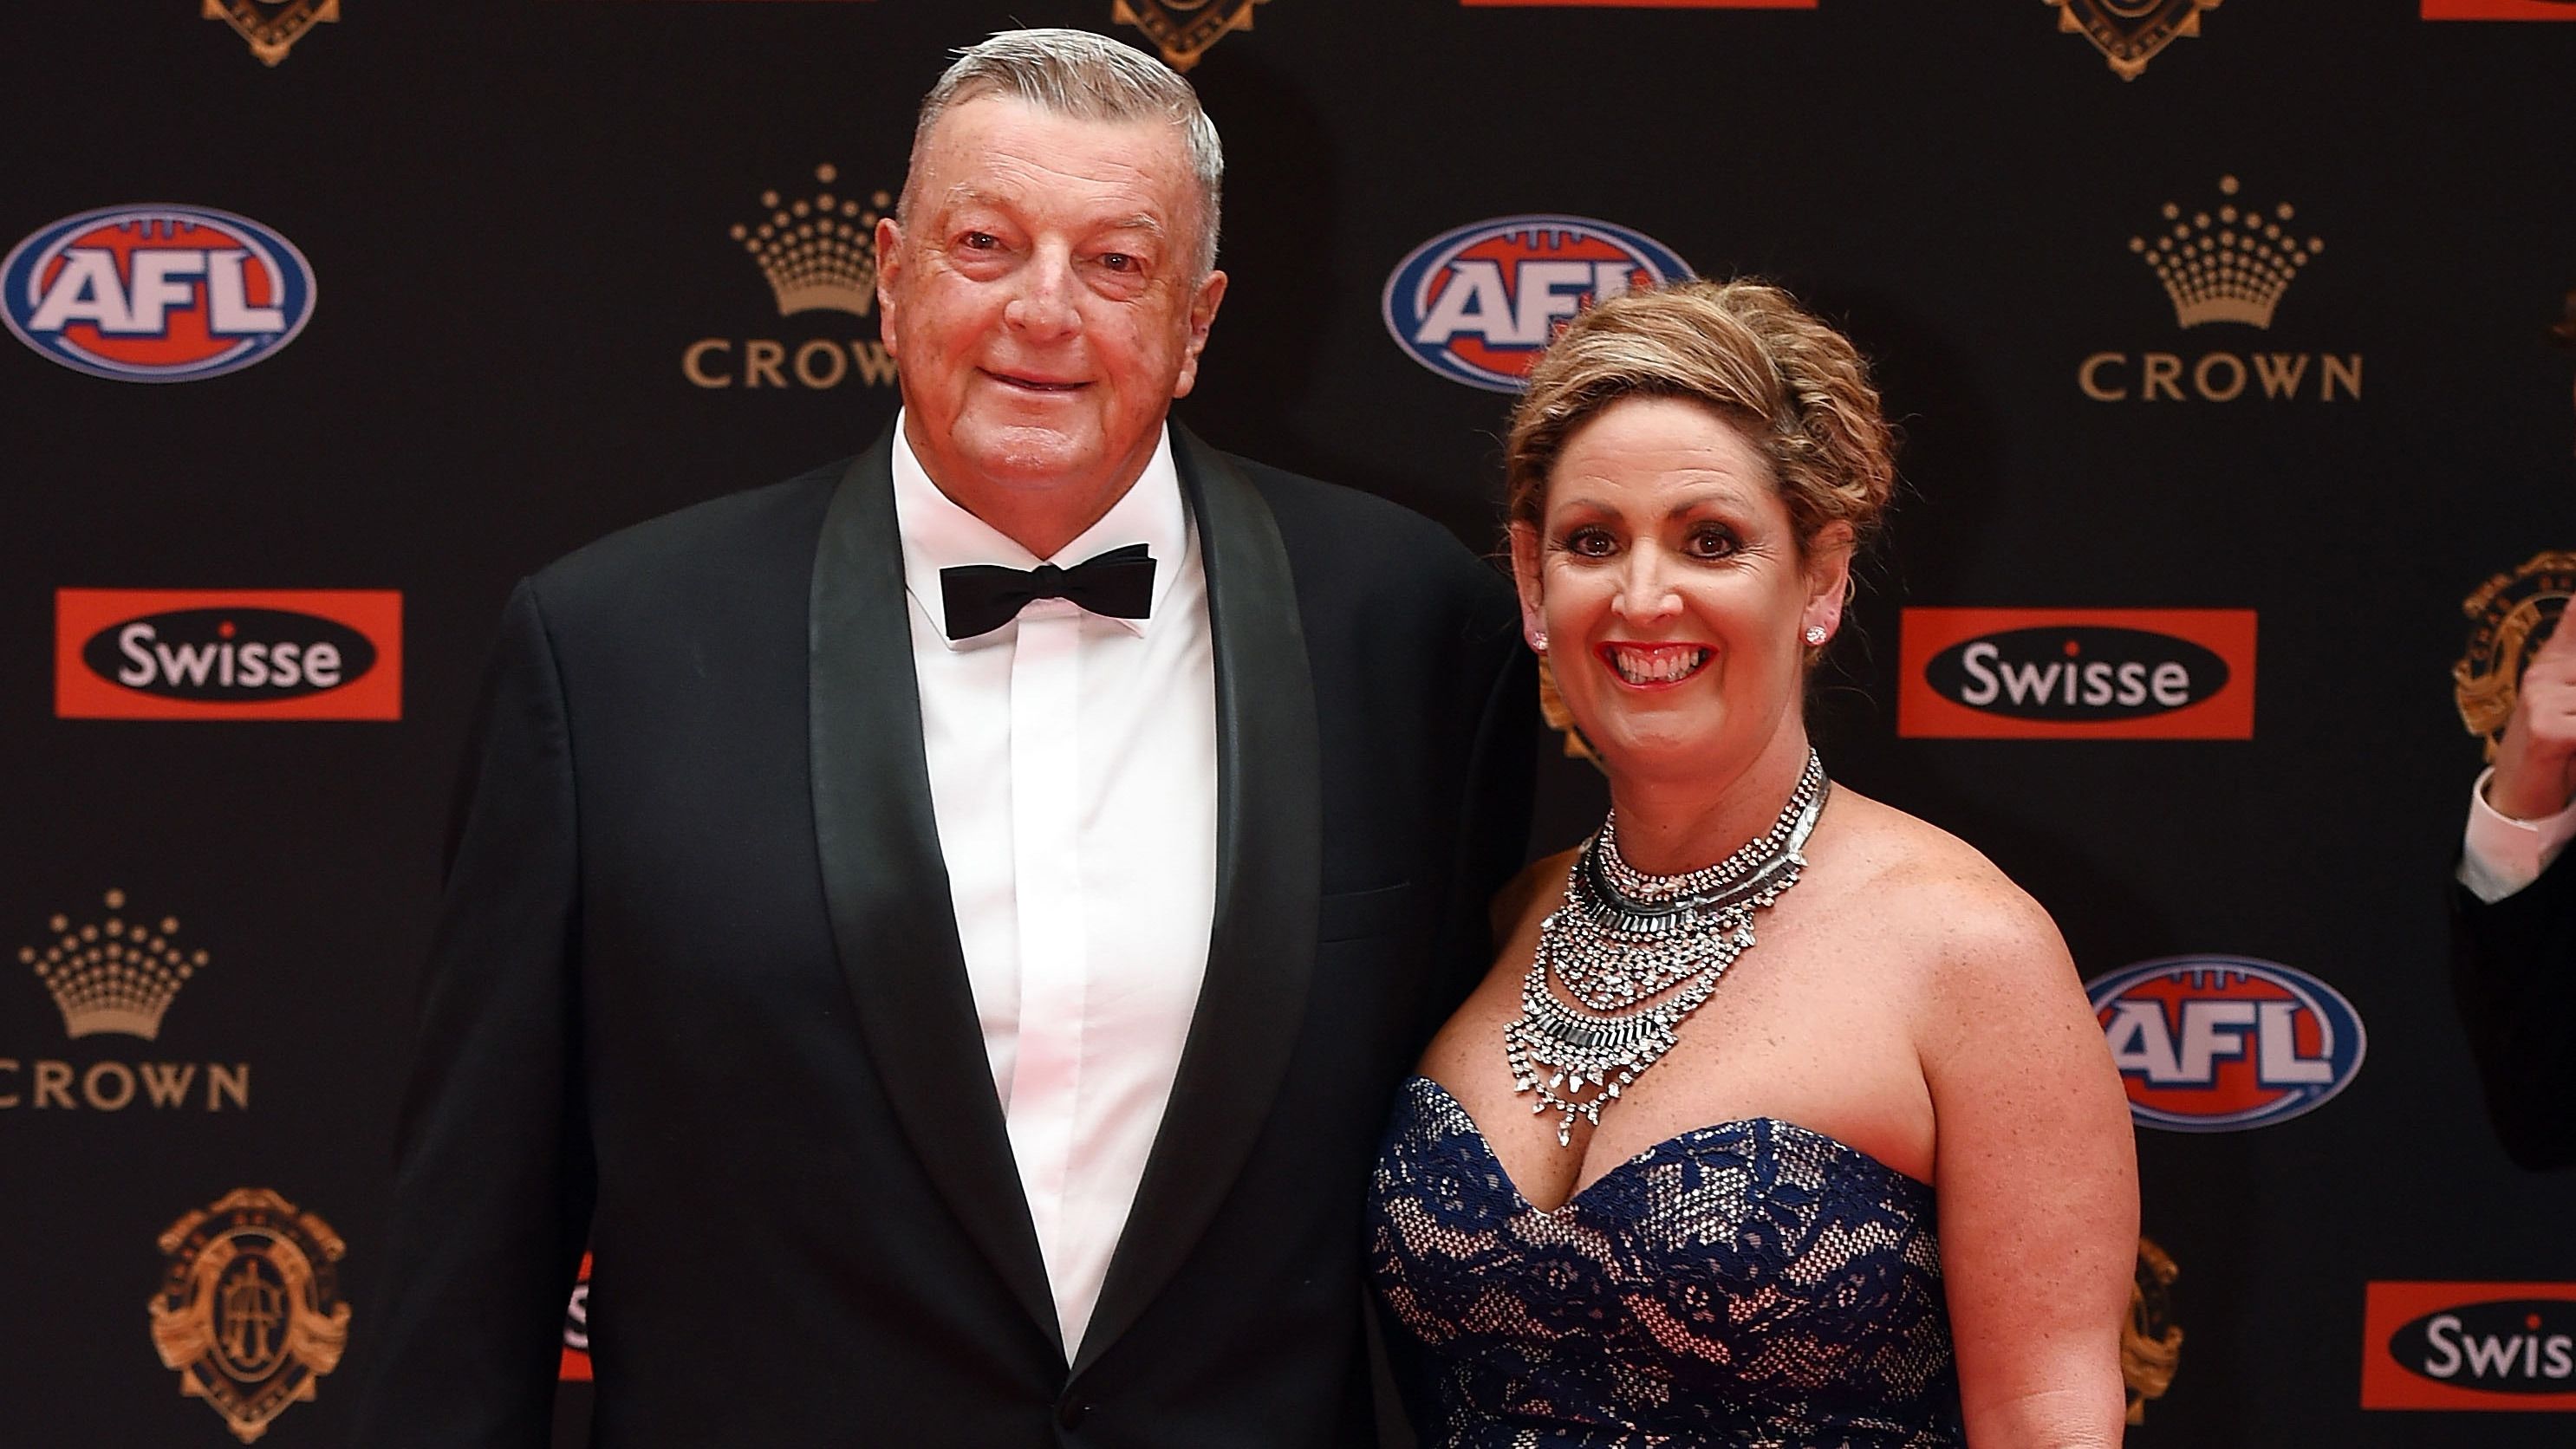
2223 1043
156 293
1478 304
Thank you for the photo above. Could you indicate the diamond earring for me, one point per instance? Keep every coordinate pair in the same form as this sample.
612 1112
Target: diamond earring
1815 633
1538 641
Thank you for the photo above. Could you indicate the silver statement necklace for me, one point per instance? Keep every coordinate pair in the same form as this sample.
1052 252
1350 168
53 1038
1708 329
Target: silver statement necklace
1638 953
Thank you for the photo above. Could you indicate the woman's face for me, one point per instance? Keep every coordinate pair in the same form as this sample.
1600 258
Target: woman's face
1667 578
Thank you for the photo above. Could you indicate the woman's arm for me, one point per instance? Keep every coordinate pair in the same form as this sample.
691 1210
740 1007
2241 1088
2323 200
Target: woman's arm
2037 1178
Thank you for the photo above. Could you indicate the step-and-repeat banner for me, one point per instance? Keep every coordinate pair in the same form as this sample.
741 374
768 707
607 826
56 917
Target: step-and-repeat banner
2238 474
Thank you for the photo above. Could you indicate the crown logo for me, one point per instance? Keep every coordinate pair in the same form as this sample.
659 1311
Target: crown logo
819 252
2228 266
113 975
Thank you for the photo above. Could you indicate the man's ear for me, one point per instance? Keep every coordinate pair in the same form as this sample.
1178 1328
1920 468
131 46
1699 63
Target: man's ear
1203 305
889 269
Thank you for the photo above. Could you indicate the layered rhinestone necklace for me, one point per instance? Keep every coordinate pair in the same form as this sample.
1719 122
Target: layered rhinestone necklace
1638 953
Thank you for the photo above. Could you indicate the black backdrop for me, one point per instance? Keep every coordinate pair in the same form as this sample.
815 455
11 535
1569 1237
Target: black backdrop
518 213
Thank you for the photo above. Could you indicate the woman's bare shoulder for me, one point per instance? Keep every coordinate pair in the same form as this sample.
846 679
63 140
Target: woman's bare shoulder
1920 877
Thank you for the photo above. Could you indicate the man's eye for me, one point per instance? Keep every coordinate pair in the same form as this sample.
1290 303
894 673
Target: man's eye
981 241
1118 262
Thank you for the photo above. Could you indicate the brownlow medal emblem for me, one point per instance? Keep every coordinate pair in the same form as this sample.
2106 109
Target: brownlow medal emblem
250 1312
2150 1341
272 26
2130 32
2512 613
1184 29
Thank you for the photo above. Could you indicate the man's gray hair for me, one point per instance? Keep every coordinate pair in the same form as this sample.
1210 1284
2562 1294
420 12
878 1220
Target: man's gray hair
1089 77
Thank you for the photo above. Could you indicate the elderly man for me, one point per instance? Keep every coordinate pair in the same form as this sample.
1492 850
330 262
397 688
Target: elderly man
946 929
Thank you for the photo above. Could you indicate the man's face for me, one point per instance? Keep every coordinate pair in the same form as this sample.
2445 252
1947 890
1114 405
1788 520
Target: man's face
1043 304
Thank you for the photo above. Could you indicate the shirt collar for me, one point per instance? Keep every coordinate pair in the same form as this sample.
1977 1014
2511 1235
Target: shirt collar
938 534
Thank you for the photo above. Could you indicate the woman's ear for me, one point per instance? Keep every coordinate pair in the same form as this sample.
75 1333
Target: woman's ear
1525 559
1828 571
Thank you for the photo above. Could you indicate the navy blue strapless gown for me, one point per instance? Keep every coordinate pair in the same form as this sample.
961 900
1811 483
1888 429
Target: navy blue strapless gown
1748 1284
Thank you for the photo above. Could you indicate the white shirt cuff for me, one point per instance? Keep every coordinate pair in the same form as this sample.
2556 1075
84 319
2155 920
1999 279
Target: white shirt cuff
2499 855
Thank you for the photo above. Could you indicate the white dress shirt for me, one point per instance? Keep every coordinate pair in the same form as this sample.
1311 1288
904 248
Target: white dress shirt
1073 775
2500 855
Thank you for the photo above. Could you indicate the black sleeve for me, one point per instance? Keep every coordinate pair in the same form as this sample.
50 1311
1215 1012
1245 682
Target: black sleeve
2513 968
493 1178
1493 837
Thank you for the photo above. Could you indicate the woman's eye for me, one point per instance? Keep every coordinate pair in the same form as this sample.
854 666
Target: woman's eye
1711 543
1590 543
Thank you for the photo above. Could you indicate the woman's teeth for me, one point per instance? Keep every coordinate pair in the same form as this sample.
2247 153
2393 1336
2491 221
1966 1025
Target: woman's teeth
1659 664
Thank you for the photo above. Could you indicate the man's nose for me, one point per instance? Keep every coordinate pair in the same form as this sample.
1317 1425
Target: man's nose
1044 308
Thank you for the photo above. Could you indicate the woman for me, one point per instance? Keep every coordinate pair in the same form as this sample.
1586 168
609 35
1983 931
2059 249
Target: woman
1869 1013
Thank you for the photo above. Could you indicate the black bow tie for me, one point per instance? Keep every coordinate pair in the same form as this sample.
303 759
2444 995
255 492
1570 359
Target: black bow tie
980 598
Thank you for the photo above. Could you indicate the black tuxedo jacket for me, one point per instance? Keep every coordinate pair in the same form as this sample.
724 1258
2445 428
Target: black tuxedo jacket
696 996
2513 967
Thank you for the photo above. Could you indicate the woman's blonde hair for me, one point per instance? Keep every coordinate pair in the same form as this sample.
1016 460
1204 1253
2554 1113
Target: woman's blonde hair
1797 389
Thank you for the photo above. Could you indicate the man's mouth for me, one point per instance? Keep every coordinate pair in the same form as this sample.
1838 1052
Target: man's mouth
1651 664
1026 383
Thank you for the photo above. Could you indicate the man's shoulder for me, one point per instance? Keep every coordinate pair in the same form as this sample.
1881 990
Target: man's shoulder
731 538
1352 534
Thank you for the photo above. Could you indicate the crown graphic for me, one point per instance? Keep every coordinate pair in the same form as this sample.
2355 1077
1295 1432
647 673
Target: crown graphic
113 975
819 252
2228 266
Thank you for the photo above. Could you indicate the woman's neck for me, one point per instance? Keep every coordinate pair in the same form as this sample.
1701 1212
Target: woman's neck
1672 825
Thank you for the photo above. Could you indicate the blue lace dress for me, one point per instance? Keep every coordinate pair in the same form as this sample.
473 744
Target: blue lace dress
1748 1284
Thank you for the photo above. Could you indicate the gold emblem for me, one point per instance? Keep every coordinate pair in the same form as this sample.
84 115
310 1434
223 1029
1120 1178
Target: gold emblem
250 1312
819 253
1185 29
2129 33
2150 1341
272 26
112 975
2230 263
2513 612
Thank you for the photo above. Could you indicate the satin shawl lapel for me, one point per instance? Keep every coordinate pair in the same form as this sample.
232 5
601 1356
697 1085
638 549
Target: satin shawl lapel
1269 870
887 883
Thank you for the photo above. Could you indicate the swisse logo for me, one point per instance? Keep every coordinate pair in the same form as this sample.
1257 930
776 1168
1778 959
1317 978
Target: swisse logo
2506 1346
2077 673
156 293
303 654
575 1364
205 654
1478 304
2225 1043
